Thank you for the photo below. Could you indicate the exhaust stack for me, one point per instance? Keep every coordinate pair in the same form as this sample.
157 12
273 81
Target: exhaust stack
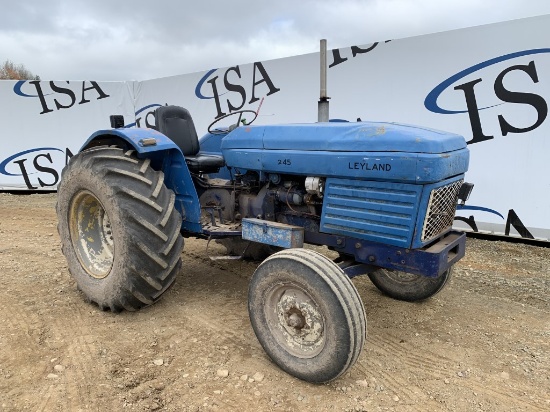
323 106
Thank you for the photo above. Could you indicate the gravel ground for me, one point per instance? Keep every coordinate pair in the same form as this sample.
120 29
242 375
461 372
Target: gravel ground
482 344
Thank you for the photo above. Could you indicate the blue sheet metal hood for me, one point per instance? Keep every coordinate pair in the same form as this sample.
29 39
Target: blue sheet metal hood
371 151
344 137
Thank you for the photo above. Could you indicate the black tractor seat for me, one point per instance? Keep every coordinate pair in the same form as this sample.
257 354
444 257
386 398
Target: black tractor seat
205 163
176 123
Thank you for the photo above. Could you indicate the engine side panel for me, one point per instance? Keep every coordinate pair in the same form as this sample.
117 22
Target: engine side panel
390 166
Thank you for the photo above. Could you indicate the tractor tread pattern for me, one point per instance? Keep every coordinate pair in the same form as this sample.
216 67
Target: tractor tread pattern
342 286
151 226
328 283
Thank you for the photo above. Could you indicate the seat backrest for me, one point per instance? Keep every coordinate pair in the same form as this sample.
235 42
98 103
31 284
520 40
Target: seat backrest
176 123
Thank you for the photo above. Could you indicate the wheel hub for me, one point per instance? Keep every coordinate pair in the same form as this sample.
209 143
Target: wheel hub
91 234
297 321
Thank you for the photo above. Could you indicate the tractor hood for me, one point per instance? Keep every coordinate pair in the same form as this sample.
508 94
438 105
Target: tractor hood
344 137
373 151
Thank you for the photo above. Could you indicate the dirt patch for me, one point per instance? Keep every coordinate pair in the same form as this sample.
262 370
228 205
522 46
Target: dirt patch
481 344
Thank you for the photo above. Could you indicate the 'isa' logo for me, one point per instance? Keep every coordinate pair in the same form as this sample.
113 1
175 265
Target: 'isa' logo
474 82
38 167
53 97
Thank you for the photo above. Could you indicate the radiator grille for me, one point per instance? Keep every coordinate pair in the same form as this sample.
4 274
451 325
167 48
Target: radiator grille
378 211
441 210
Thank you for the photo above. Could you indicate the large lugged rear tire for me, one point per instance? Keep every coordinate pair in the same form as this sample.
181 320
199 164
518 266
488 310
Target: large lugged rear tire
408 287
119 230
307 315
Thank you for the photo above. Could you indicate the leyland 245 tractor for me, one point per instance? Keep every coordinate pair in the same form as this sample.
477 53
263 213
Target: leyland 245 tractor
381 196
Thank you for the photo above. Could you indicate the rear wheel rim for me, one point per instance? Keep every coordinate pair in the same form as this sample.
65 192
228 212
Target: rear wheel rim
295 320
91 234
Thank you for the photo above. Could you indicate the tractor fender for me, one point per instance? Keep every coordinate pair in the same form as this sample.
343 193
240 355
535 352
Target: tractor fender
166 156
135 137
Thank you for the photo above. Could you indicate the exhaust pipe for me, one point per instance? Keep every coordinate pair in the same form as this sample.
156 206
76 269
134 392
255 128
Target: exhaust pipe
322 106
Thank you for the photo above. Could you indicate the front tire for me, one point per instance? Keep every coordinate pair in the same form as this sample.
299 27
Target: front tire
408 287
118 227
307 315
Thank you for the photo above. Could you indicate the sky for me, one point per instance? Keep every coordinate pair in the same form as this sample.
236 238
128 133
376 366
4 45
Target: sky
145 39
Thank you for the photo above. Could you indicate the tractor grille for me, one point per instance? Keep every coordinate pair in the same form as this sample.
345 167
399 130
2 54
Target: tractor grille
377 211
441 210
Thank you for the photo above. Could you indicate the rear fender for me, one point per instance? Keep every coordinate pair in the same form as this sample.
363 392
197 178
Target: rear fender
166 156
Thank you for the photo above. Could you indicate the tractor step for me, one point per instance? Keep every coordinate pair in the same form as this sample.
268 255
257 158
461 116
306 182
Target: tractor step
273 233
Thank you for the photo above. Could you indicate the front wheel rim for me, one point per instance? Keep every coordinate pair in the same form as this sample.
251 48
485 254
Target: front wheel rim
402 277
91 234
295 320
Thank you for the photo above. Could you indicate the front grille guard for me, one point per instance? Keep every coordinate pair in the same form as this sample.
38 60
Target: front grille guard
441 210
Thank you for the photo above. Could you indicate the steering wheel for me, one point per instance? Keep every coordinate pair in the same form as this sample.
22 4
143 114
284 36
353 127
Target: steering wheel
233 126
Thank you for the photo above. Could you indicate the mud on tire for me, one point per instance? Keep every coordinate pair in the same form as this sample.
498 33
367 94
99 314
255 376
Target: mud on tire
307 315
118 227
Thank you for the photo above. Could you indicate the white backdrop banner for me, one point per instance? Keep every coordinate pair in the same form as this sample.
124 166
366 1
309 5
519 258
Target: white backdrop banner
489 83
46 122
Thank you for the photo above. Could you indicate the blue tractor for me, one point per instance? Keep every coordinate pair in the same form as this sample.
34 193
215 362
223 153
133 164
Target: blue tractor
381 195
